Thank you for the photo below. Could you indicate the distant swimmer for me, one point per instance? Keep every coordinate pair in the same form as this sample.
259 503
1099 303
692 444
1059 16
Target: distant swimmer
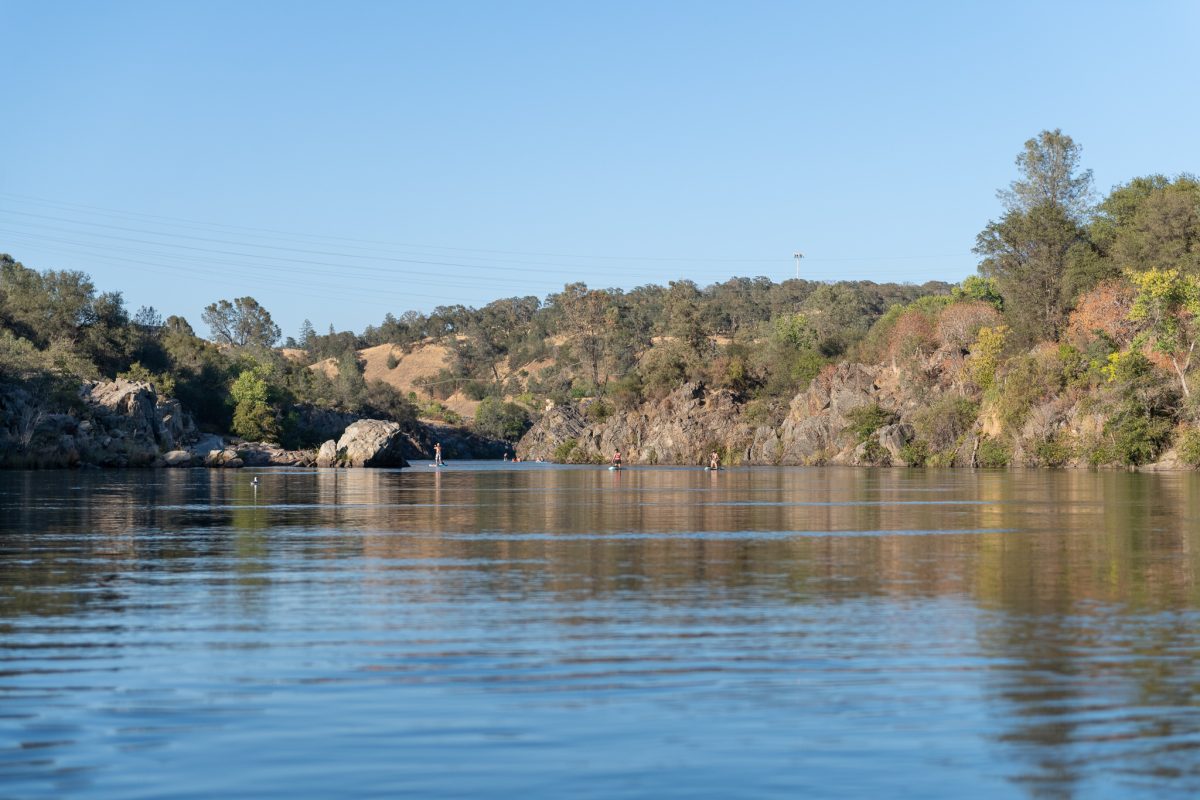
714 460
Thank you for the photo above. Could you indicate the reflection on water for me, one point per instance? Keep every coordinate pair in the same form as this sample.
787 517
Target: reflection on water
541 631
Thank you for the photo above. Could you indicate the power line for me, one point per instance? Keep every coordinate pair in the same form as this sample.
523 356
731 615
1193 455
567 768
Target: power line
292 234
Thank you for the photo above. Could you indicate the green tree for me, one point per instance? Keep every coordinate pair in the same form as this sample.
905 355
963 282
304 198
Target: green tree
977 287
241 323
1049 167
501 420
1168 304
1034 250
1163 229
307 334
1029 254
589 326
253 417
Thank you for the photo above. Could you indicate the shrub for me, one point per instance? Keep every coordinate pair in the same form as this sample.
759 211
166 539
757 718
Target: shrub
1056 451
1103 314
384 400
564 451
915 453
478 390
163 383
911 336
993 454
959 324
598 411
1189 447
392 361
876 454
1137 437
865 420
985 355
253 417
1028 380
501 420
943 423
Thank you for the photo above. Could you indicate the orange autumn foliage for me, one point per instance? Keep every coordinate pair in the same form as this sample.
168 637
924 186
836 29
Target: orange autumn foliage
1104 311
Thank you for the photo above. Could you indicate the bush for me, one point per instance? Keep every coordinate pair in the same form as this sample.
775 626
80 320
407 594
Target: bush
915 453
598 411
163 383
500 420
564 451
253 417
478 390
993 454
985 355
1056 451
876 454
1028 380
385 400
865 420
1189 447
1135 436
942 424
392 361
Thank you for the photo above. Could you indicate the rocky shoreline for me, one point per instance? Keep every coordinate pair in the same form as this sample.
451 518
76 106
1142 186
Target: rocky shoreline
818 428
114 424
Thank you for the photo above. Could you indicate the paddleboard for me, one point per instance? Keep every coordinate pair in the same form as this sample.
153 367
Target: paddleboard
614 469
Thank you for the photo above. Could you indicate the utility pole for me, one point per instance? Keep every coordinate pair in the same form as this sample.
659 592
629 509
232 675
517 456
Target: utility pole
797 255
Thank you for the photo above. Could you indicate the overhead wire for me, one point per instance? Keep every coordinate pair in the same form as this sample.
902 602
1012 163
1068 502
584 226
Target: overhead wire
174 245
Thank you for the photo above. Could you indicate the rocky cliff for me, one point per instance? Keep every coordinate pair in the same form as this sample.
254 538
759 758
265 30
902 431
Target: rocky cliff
110 424
852 414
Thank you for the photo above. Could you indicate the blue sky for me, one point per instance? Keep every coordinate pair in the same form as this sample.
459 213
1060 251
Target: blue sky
341 160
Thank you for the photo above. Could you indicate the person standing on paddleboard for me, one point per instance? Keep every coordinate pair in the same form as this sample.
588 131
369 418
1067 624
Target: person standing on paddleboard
714 460
437 454
616 459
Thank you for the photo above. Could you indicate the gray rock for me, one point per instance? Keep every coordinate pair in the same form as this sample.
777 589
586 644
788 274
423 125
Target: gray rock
265 454
893 438
327 455
177 458
372 443
221 458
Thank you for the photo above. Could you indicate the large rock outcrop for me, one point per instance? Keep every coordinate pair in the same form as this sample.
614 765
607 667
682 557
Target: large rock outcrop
692 421
681 428
113 424
366 443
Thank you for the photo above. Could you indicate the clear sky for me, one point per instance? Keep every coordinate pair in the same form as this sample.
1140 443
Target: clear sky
341 160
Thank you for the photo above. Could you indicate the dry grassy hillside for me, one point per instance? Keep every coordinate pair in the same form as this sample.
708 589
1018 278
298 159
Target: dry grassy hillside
422 361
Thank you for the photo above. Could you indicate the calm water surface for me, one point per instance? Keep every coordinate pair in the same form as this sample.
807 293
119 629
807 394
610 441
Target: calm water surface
534 631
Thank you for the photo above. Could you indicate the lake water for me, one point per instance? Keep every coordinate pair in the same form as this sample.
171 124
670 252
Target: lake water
531 631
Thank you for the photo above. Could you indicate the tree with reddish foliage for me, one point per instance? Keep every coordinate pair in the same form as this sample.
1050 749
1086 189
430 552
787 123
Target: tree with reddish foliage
1103 313
959 323
911 336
